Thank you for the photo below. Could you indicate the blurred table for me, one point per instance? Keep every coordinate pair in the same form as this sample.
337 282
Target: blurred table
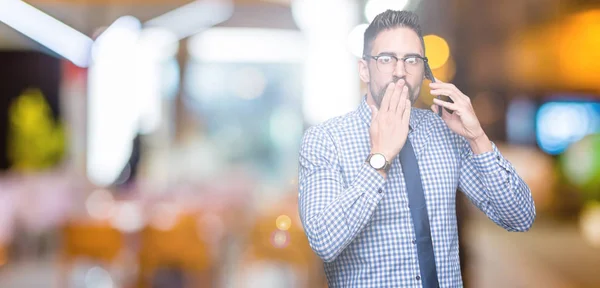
550 255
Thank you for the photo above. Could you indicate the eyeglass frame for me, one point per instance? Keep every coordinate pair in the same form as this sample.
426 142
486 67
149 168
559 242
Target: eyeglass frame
426 67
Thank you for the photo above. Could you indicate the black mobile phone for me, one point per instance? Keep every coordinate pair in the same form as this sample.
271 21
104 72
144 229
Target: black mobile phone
429 75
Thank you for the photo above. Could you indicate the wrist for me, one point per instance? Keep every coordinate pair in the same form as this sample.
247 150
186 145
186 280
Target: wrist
379 161
481 144
387 155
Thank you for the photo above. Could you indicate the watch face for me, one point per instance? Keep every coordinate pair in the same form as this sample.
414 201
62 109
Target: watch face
377 161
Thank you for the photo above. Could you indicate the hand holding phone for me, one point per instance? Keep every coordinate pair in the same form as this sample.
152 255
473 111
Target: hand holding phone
429 75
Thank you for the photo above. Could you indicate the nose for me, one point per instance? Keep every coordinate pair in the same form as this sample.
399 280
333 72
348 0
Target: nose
400 71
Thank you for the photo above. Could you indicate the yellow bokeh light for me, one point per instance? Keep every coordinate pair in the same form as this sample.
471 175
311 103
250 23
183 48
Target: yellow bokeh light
445 72
436 50
283 222
566 49
578 56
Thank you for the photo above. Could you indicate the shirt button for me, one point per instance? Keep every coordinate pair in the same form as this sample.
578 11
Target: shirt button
414 241
380 190
418 277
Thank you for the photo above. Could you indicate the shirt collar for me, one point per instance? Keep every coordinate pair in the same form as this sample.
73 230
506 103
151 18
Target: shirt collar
365 114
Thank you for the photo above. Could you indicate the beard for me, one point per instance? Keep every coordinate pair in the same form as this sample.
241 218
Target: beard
379 93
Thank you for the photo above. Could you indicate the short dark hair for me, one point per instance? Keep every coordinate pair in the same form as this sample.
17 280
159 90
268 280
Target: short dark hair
391 19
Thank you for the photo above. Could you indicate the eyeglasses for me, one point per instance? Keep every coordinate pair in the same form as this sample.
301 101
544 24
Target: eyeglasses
413 64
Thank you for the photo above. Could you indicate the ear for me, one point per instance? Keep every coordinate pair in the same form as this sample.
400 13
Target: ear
363 71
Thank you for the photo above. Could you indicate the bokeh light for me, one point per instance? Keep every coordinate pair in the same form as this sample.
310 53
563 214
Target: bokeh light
561 123
280 239
100 204
128 217
98 277
164 216
436 50
445 72
578 49
283 222
589 224
581 165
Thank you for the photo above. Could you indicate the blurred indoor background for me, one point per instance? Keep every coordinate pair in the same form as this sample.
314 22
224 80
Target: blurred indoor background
154 143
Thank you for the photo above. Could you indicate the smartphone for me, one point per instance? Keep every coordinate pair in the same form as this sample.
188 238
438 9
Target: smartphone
429 75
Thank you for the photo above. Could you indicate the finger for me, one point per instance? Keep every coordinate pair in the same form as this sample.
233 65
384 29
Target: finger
396 98
447 92
389 91
448 86
406 113
402 101
451 106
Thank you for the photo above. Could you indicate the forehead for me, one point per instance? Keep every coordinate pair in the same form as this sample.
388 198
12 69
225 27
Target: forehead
397 40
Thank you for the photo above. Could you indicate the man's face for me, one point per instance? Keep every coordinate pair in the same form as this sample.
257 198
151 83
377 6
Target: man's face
399 42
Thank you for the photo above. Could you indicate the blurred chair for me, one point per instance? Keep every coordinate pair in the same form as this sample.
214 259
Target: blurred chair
175 252
277 237
91 240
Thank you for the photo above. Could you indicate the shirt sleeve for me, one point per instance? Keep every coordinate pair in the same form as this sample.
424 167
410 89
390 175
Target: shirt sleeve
492 184
333 215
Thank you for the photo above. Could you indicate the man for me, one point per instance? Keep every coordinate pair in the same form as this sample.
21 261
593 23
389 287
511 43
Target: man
377 186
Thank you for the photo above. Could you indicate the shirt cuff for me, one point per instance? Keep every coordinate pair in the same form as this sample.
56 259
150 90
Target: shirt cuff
370 181
489 162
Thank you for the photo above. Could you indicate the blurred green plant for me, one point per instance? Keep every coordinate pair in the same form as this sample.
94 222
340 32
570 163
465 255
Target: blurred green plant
35 140
581 165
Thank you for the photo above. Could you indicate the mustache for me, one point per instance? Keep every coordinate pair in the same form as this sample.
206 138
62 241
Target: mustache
395 81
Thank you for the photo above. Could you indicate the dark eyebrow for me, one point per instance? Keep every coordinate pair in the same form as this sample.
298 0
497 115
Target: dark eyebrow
396 55
412 55
388 54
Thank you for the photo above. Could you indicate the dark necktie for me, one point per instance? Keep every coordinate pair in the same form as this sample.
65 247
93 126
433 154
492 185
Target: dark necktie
418 211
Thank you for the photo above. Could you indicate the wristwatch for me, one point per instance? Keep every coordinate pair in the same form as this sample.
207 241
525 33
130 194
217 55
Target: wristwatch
378 161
